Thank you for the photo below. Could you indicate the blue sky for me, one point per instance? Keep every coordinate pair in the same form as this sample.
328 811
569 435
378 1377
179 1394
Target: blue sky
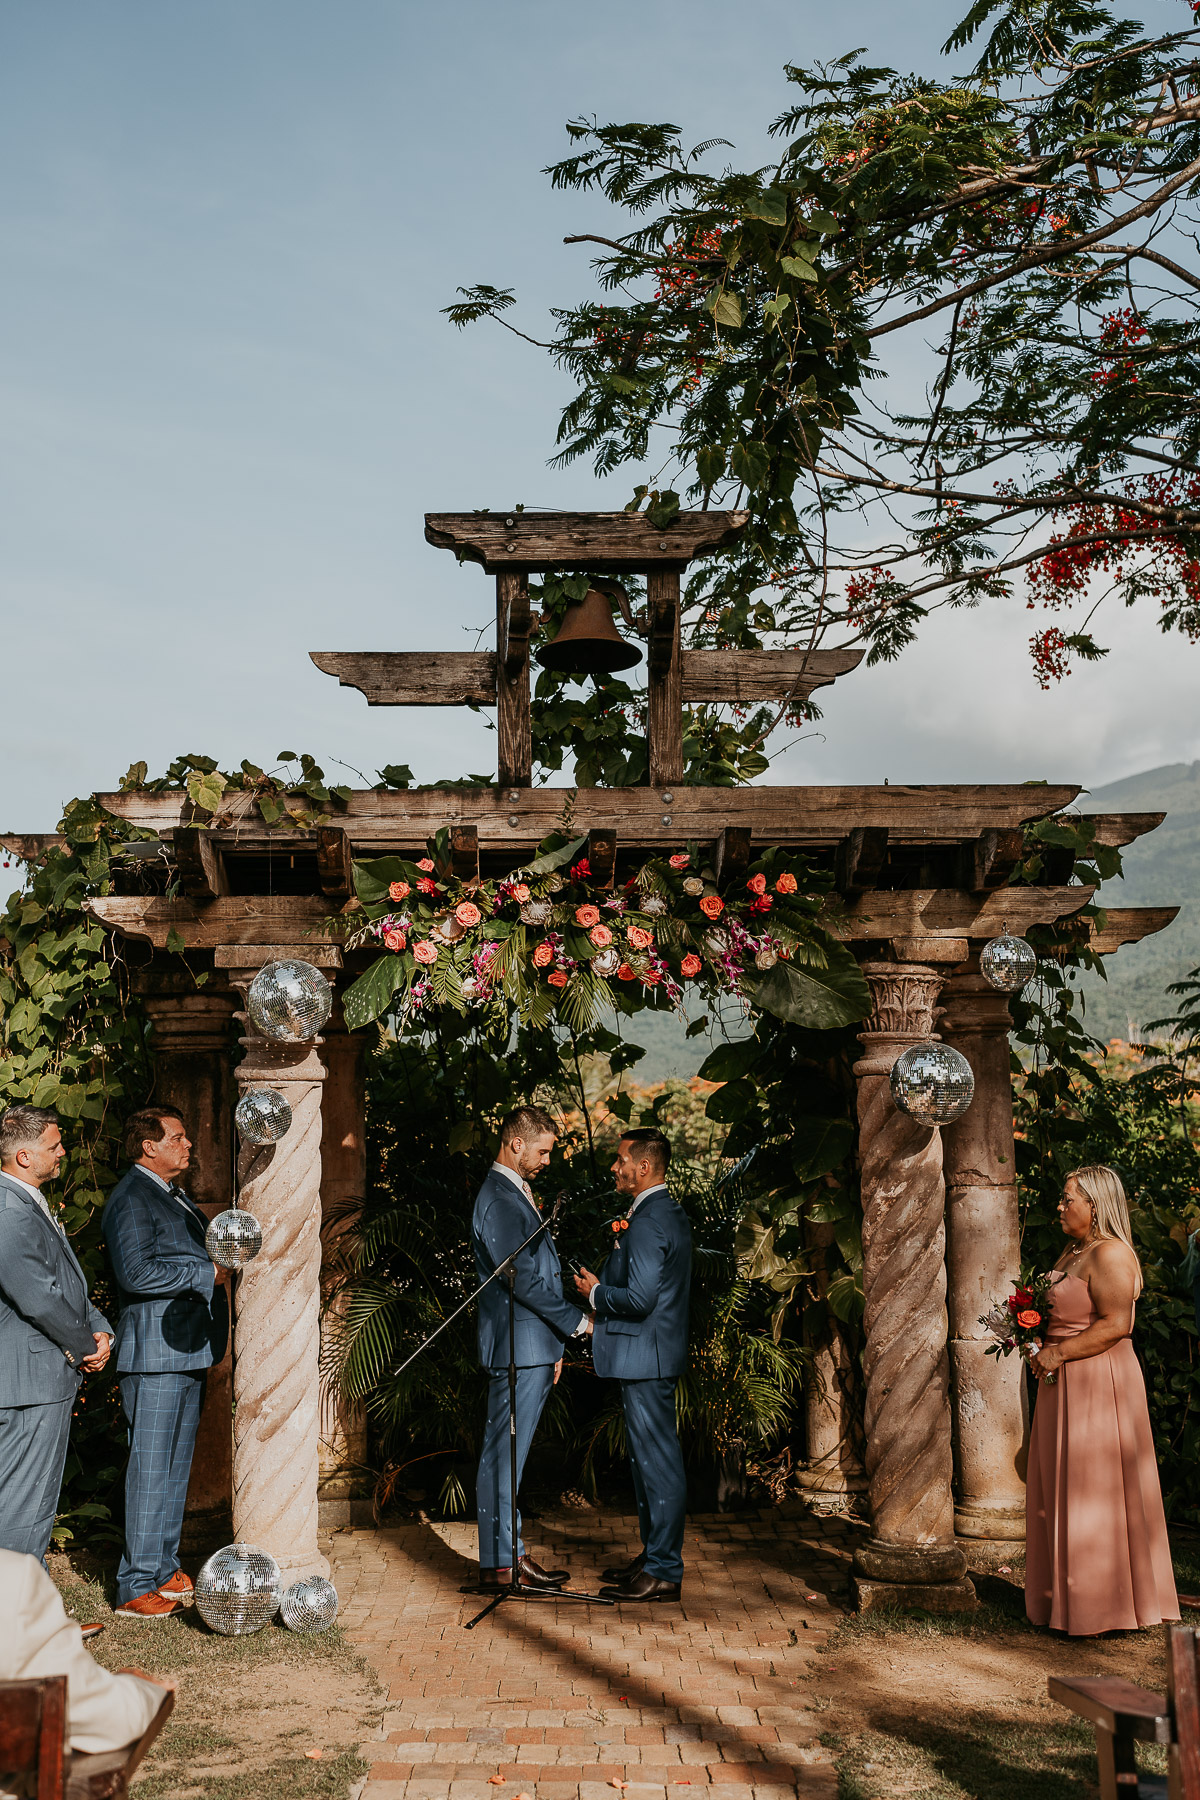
227 395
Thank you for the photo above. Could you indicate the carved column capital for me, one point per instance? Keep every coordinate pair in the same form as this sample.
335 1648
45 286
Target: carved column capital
185 1018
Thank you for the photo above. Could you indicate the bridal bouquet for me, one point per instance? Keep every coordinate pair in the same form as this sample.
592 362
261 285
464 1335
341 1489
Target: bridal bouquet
1020 1322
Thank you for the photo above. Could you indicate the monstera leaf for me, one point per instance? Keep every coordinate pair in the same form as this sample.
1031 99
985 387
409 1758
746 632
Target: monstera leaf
820 999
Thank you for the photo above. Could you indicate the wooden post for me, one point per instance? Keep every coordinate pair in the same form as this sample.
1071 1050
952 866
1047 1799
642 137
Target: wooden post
602 857
515 744
344 1476
664 716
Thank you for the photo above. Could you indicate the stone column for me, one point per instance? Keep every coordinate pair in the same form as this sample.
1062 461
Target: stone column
191 1042
983 1258
911 1557
344 1475
276 1338
833 1473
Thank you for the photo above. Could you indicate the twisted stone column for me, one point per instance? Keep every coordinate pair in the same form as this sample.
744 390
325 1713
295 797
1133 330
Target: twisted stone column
343 1425
276 1339
833 1471
911 1557
983 1258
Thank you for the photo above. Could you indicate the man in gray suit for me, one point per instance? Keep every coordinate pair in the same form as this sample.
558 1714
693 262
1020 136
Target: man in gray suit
50 1333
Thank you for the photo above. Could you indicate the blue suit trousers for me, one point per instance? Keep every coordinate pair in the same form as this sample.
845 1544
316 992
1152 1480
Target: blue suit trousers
33 1455
659 1481
163 1411
493 1487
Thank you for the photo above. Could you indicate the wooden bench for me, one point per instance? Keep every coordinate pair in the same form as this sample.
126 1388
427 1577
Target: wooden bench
33 1729
1124 1715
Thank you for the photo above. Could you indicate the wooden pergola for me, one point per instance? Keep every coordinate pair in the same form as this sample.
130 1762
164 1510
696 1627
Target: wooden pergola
920 876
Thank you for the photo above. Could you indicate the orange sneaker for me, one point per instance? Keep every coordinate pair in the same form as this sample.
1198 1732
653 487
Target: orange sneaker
179 1587
148 1606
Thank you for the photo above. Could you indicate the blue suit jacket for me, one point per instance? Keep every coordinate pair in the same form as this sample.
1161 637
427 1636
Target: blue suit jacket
641 1305
172 1314
46 1319
504 1218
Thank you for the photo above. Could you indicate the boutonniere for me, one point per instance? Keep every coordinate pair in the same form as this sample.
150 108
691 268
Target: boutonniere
619 1225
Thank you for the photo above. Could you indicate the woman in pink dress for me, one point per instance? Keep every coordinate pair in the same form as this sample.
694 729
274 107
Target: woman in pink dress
1097 1552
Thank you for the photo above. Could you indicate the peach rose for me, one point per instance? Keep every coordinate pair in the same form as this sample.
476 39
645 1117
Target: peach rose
691 965
712 906
543 956
786 884
640 939
425 952
601 936
467 913
399 890
394 940
426 863
625 973
679 862
587 915
558 978
757 884
520 892
1030 1320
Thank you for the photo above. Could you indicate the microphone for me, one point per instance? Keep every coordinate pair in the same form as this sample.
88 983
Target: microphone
560 1201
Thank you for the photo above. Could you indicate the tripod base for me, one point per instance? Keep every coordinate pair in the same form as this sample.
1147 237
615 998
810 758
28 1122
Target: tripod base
513 1592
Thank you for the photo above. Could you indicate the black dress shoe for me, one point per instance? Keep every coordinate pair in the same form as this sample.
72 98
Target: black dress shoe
643 1587
625 1571
555 1575
529 1575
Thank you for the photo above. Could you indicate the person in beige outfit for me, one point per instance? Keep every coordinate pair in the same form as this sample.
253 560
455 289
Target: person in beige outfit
104 1711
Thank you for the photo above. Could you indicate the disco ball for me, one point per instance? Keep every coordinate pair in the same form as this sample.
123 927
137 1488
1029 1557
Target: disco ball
933 1082
606 962
1007 963
238 1590
262 1116
233 1238
309 1605
289 1001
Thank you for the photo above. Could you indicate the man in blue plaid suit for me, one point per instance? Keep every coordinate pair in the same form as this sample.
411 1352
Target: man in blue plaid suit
173 1326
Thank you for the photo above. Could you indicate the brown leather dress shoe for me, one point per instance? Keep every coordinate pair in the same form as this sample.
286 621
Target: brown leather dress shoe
643 1587
529 1575
179 1587
625 1571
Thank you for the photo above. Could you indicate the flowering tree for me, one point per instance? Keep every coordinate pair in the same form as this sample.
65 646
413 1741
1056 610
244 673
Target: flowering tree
1023 236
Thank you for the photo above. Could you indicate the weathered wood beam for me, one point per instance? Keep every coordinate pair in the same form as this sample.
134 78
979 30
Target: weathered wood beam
1129 925
949 913
233 919
335 862
664 691
602 857
989 860
199 862
514 754
31 846
755 677
603 542
732 852
859 859
1122 828
515 822
414 677
464 852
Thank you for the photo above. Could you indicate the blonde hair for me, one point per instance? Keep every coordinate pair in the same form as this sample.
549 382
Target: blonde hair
1105 1192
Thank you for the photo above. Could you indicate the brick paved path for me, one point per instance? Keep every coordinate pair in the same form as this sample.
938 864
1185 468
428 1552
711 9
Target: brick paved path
567 1702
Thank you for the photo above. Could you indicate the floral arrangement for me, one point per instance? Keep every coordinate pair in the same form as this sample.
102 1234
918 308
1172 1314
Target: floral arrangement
1019 1324
550 941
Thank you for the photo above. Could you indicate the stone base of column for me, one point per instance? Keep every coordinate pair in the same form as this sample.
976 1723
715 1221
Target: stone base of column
930 1576
827 1488
988 1556
978 1520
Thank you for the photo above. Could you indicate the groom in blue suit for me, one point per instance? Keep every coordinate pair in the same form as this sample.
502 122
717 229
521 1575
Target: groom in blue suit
506 1213
640 1340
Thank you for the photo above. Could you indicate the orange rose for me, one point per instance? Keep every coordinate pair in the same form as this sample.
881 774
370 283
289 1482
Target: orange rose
399 890
679 862
712 906
757 884
426 863
425 952
786 884
691 965
641 940
394 940
587 915
601 936
467 913
557 978
543 956
625 973
520 892
1030 1320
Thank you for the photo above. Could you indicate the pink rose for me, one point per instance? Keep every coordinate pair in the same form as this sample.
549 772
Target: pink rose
395 940
679 862
601 936
587 915
757 884
467 913
641 940
426 863
425 952
520 892
399 890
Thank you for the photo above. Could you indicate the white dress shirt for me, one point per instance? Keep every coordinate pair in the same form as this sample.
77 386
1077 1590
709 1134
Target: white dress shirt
37 1194
518 1181
166 1186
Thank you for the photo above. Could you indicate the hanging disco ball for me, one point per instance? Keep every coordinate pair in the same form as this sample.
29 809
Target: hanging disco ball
262 1116
238 1590
1008 963
933 1082
309 1605
233 1238
289 1001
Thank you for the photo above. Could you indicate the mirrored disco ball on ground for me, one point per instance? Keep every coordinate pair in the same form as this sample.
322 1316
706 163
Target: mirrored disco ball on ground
933 1082
262 1116
233 1238
309 1605
238 1590
289 1001
1008 963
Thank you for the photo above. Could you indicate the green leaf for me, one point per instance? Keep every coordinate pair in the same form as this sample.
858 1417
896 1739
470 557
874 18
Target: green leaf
736 1100
710 463
774 310
369 997
798 270
729 1062
845 1298
372 879
820 1144
176 943
725 307
555 859
770 207
818 999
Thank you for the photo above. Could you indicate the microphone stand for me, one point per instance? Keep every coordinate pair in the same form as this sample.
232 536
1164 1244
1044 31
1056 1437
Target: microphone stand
514 1591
